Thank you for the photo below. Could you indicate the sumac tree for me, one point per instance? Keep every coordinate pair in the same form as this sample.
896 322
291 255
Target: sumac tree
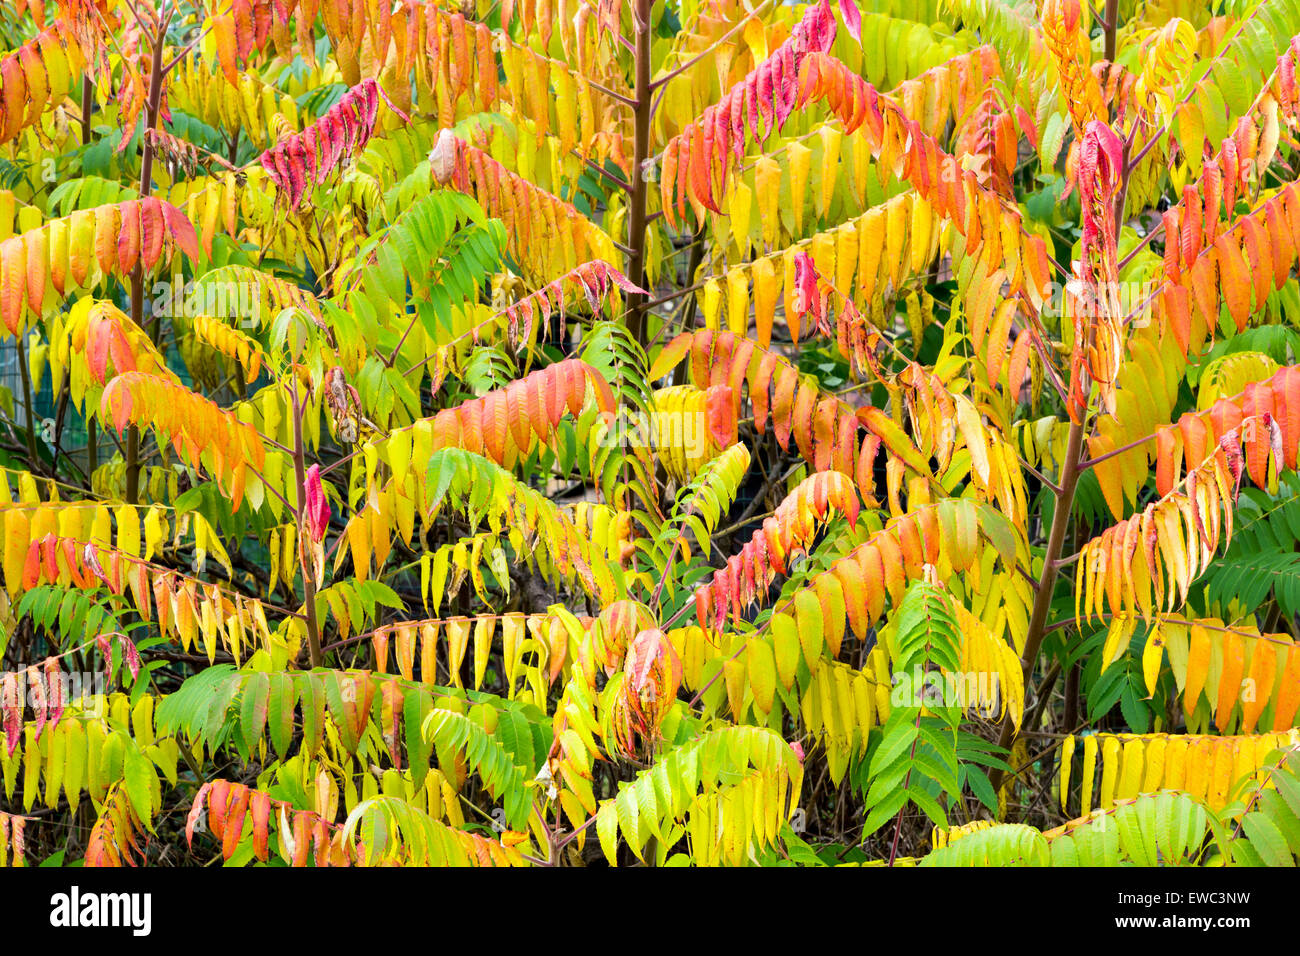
675 432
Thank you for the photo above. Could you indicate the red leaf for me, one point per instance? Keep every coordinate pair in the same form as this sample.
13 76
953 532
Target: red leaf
721 420
181 229
152 232
130 655
260 805
316 509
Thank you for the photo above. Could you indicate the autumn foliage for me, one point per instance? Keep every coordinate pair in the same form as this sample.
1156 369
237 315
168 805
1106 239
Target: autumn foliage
678 432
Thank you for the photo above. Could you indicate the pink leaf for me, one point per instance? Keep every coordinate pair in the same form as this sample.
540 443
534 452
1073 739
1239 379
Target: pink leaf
316 510
816 31
852 18
806 298
106 649
130 655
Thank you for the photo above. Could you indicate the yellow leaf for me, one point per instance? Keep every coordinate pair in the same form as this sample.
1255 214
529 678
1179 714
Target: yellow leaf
712 303
830 137
799 160
767 181
1067 758
762 675
1110 766
921 234
766 291
457 644
1117 639
738 301
871 243
1130 781
483 632
785 643
897 214
740 209
972 429
1089 772
1152 655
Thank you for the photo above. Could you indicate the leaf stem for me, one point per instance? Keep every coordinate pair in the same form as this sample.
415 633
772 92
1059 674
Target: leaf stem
1070 472
137 271
636 224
